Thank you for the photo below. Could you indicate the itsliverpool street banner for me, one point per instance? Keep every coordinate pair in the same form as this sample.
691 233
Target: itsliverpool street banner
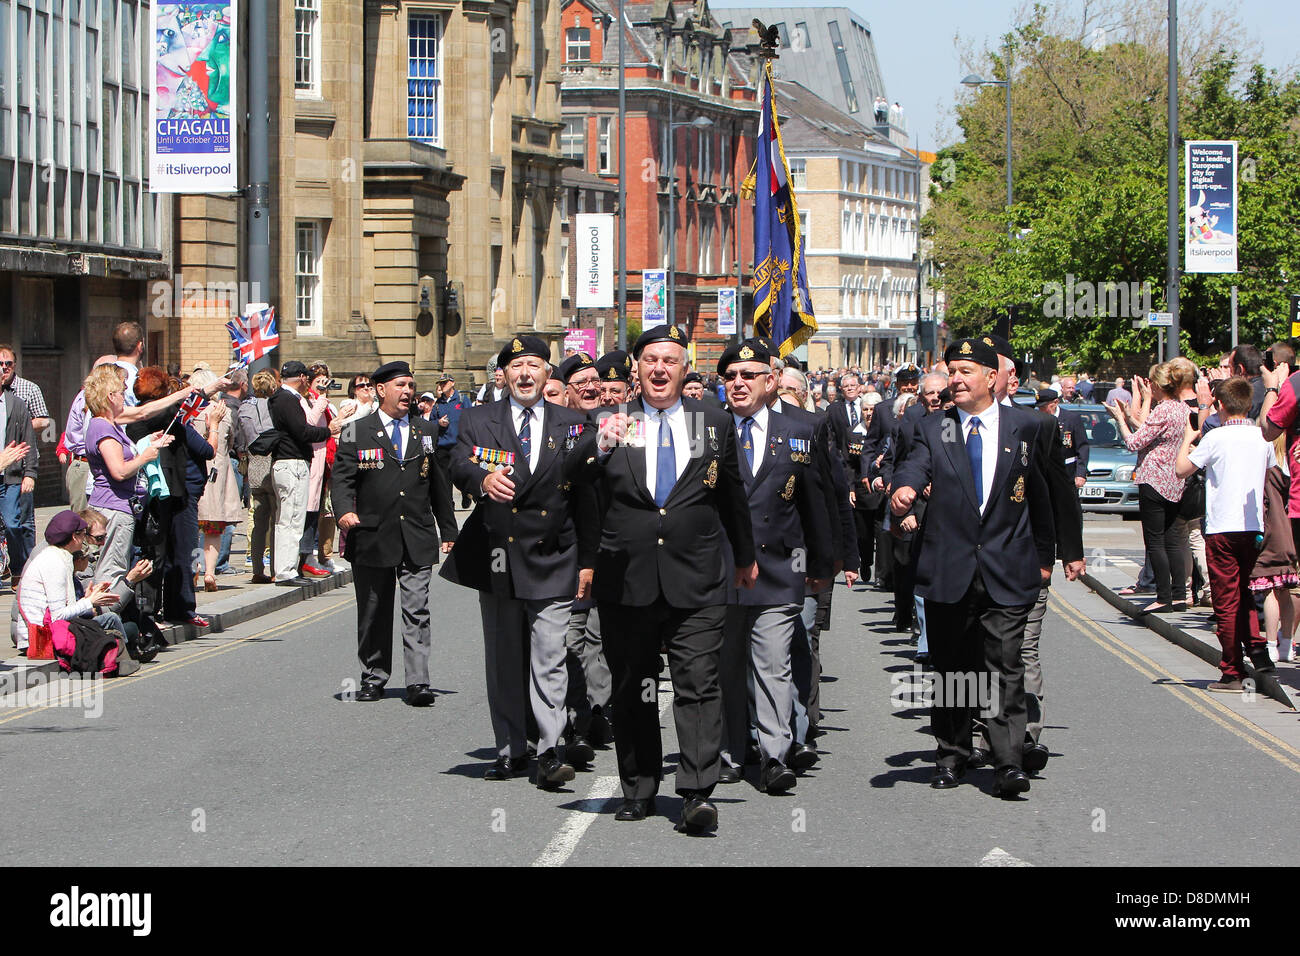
595 255
1210 200
192 146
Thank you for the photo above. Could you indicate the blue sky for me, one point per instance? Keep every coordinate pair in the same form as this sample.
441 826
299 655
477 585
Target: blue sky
922 70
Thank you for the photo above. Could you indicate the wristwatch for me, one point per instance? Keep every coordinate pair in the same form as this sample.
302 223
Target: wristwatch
1273 389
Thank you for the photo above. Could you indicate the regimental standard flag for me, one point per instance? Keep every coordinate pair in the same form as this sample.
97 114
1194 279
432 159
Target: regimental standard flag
782 306
191 408
260 337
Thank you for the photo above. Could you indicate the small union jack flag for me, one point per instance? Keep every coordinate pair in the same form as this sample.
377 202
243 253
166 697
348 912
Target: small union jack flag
191 408
258 339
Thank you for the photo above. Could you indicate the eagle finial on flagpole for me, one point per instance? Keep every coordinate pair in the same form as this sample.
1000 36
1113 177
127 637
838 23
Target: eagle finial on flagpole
769 38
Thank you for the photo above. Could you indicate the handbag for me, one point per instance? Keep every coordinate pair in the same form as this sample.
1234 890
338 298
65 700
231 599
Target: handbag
259 473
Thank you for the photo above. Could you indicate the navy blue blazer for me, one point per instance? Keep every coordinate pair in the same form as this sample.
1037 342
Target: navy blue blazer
1013 539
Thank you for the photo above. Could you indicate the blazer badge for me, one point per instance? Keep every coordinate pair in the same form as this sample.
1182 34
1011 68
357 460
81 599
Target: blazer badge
788 492
424 468
1018 492
711 477
550 442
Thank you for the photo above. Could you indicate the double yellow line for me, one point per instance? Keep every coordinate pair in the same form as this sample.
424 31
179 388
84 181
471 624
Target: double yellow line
1225 717
185 661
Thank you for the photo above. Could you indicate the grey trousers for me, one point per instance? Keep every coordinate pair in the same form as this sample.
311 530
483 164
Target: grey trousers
589 680
115 554
756 651
510 626
806 669
75 481
374 588
1033 674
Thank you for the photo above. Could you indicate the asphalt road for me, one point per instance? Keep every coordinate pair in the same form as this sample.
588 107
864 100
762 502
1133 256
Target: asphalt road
239 749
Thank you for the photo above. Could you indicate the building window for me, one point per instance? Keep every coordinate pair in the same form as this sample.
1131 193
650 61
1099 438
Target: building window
424 79
577 44
784 34
603 146
306 51
842 61
804 230
564 269
799 173
306 277
573 140
802 36
706 157
706 244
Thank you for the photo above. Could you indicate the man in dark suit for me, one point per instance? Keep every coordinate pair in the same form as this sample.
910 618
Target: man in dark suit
392 499
792 534
670 473
1074 434
520 550
989 508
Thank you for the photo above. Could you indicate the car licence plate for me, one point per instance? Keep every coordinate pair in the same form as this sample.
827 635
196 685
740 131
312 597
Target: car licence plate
1092 491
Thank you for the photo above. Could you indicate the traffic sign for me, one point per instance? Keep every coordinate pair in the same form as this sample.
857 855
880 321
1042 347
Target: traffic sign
1160 320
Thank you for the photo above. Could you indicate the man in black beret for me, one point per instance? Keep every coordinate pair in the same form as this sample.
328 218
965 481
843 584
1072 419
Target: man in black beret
393 503
615 371
794 542
672 480
990 506
582 382
520 550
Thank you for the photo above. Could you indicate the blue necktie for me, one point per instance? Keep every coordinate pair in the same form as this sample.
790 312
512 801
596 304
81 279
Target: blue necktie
665 462
747 441
397 438
975 452
526 434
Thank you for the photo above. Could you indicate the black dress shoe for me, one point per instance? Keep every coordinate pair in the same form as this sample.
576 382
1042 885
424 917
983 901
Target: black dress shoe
503 769
922 659
579 751
945 778
776 777
978 758
802 757
633 810
551 771
729 774
370 691
1008 782
420 695
698 815
1035 758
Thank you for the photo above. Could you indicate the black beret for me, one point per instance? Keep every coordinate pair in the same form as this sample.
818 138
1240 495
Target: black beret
574 364
751 350
693 377
1046 396
389 371
973 350
766 343
908 373
998 344
615 366
660 333
522 345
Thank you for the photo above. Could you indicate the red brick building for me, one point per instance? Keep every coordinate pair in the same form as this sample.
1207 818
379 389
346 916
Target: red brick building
680 65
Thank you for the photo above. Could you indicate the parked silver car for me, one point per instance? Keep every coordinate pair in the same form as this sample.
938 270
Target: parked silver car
1110 486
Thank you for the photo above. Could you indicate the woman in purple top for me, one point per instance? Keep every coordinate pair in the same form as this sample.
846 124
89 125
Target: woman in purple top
1161 419
115 467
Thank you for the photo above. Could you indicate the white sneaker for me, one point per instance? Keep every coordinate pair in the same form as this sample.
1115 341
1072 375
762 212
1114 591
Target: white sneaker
1273 651
1284 650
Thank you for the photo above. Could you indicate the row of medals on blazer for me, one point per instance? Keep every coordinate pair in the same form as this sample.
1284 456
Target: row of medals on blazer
372 459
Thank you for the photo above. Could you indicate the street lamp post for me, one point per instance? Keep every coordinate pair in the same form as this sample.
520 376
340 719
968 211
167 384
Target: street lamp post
974 80
700 122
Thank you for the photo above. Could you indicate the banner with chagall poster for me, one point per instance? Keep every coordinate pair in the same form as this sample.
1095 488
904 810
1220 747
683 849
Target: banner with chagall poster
192 146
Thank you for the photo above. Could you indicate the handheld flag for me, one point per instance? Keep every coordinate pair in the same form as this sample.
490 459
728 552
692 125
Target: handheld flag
259 337
191 408
782 306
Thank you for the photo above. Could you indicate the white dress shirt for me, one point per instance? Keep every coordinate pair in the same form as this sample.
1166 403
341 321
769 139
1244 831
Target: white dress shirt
536 435
759 432
681 441
988 447
404 429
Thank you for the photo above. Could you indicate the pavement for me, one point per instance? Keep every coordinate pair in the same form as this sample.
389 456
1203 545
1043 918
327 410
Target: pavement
243 747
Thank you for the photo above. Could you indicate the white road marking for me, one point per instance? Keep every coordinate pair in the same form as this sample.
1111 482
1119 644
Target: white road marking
1000 857
566 839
